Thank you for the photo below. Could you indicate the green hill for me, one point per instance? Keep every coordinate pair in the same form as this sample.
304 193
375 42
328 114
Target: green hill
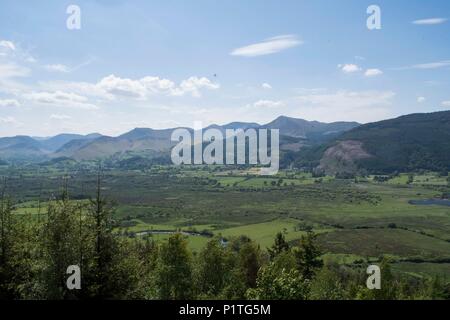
407 143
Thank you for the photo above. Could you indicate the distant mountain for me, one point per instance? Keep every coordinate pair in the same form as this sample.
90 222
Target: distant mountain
36 148
315 130
21 148
56 142
411 142
294 134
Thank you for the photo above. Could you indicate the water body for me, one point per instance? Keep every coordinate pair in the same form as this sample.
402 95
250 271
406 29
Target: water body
431 202
186 233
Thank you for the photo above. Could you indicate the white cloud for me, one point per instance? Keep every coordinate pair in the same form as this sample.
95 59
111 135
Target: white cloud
10 121
267 104
421 99
113 87
8 45
12 70
193 85
445 104
430 65
349 68
59 117
373 72
430 21
60 99
268 46
57 68
266 86
9 103
12 50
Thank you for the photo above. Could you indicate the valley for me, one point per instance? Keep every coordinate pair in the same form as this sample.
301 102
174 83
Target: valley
357 220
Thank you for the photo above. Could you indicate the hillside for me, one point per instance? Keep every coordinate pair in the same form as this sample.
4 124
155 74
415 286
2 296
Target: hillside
312 130
411 142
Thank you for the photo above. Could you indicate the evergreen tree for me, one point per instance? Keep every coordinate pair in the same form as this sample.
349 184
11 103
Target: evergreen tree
307 255
60 244
279 246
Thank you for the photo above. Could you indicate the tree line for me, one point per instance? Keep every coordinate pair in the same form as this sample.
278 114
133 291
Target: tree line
36 249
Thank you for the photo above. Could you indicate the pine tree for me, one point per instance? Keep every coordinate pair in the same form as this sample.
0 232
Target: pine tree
60 243
280 245
100 275
307 255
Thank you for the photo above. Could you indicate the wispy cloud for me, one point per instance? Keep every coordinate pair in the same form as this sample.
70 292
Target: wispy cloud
7 45
57 68
430 21
10 121
266 86
430 65
13 70
9 103
268 46
60 99
421 99
59 117
445 104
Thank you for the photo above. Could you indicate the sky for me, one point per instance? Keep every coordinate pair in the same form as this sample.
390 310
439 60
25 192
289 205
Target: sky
164 64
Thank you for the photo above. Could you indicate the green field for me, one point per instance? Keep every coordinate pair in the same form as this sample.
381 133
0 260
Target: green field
355 219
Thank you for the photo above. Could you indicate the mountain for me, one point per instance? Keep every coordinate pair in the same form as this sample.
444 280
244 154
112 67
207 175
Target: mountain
411 142
314 130
140 140
36 148
56 142
294 134
21 148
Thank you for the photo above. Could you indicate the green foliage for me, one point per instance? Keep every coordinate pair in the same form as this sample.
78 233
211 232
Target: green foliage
273 284
279 246
213 268
307 255
174 271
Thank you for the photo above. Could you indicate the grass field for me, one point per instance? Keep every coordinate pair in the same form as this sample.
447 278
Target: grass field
356 219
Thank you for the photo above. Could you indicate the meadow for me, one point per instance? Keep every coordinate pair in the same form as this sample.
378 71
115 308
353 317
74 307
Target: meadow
357 220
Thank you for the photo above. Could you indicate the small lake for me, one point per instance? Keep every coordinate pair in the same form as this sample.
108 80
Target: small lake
430 202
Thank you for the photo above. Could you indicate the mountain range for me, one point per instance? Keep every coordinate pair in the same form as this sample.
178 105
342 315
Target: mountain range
406 143
294 133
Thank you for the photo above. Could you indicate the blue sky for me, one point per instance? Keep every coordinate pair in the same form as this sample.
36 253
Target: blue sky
170 63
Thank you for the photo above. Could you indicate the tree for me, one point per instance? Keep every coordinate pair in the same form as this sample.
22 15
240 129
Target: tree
307 255
326 285
273 284
60 243
250 262
7 231
103 257
280 245
174 269
212 268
